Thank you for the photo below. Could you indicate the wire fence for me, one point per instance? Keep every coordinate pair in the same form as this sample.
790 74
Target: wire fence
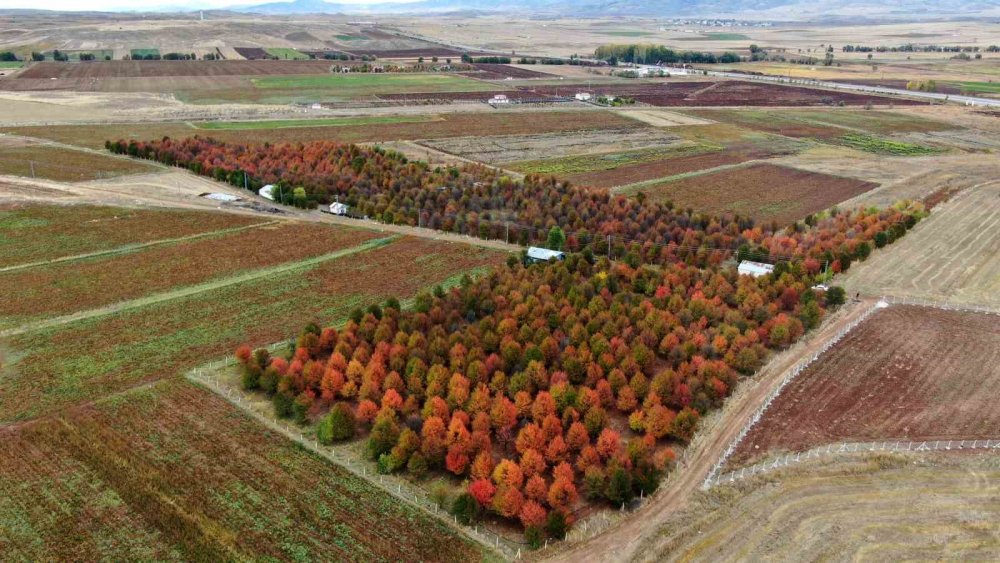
886 301
856 447
792 374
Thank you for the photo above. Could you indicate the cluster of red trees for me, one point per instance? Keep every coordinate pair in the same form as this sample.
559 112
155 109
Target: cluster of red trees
386 186
541 385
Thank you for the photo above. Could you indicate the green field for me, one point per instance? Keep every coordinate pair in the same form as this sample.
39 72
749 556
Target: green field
716 36
979 87
579 164
626 33
885 146
348 37
142 53
326 122
286 53
11 64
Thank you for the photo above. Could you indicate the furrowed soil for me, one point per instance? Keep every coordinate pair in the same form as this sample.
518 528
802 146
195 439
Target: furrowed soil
447 125
953 255
172 472
867 507
63 365
907 373
763 191
67 287
32 233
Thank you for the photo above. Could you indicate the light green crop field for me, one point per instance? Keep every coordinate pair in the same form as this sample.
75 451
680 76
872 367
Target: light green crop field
286 53
11 64
979 87
328 122
716 36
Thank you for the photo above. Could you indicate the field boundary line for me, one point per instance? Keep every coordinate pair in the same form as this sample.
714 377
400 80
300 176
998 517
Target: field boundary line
195 289
797 369
391 484
628 189
135 246
893 446
885 302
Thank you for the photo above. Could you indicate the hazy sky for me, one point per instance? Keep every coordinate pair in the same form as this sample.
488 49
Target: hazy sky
98 5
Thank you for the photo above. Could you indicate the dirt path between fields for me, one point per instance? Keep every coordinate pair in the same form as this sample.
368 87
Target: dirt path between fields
193 289
620 542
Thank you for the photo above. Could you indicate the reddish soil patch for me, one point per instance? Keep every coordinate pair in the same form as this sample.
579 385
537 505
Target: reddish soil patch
667 167
766 192
500 72
148 69
253 53
448 97
728 93
908 373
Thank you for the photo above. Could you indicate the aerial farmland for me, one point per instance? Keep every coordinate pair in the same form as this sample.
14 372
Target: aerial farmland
468 286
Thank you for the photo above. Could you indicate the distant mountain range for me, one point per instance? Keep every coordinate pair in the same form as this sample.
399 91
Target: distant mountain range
744 9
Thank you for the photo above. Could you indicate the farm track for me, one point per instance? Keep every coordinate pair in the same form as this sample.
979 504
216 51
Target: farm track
133 247
192 290
622 542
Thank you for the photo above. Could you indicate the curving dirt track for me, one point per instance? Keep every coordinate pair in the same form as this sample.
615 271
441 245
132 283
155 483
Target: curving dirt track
856 507
623 541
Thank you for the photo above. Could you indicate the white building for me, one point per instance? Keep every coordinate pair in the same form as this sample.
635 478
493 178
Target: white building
499 99
338 208
267 192
755 269
538 254
583 96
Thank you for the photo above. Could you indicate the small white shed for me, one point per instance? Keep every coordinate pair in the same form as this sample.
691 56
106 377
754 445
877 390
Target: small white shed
338 208
538 254
583 96
267 192
755 269
499 99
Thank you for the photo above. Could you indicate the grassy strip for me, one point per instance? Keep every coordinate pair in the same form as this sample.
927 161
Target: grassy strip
979 87
876 145
286 53
325 122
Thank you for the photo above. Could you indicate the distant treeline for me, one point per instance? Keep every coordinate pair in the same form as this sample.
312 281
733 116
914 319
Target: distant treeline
911 48
656 54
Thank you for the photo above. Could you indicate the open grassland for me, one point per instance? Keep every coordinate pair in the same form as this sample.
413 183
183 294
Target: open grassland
11 64
765 192
37 233
979 87
443 126
886 507
953 255
68 287
171 472
907 373
294 123
61 365
65 165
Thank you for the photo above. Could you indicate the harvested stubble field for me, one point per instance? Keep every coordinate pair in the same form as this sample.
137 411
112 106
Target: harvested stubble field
521 148
65 165
68 287
37 233
907 373
765 192
954 255
443 126
172 472
874 506
59 366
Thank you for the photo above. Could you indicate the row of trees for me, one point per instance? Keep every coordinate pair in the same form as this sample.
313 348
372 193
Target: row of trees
915 48
474 200
658 54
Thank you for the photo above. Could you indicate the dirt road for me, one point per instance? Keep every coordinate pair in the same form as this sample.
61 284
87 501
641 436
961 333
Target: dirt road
621 542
